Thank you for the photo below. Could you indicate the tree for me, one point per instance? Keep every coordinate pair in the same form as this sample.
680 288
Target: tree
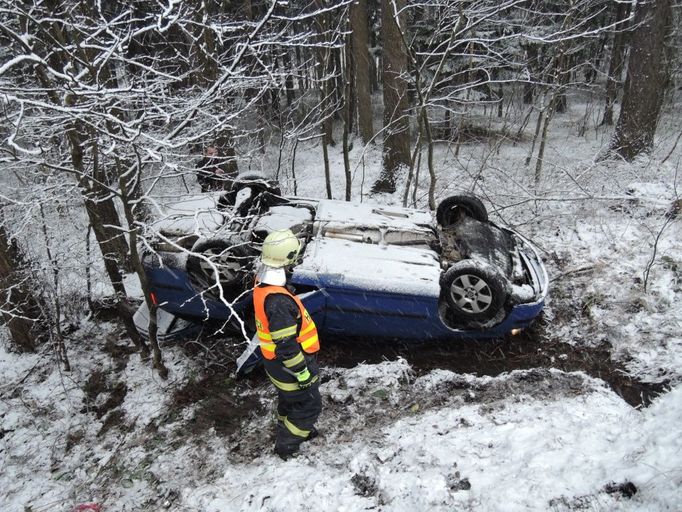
613 83
19 308
114 99
647 80
396 150
362 68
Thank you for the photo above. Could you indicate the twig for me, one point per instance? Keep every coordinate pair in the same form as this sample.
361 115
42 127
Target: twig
578 270
673 148
21 381
650 264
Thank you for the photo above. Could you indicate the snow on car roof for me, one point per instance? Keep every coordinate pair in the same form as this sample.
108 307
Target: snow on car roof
284 217
372 215
386 268
191 214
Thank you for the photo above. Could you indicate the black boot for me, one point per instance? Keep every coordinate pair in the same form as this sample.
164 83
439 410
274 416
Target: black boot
312 435
286 454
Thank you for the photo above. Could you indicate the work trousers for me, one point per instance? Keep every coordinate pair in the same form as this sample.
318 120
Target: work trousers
297 413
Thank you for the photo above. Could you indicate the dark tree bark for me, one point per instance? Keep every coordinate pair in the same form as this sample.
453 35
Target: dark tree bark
647 79
20 309
325 69
97 197
531 66
205 45
227 155
348 109
613 82
110 235
396 151
362 68
288 79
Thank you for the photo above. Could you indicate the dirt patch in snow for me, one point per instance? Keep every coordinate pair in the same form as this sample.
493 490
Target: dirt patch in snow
120 352
531 349
221 404
101 394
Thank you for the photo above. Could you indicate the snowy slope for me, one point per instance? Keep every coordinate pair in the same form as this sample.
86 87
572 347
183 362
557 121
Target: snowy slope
113 433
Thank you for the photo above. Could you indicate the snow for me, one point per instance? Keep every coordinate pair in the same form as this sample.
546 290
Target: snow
194 214
284 217
371 215
519 453
396 269
393 440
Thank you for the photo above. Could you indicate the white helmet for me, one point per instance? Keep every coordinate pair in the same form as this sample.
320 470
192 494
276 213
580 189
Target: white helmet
280 248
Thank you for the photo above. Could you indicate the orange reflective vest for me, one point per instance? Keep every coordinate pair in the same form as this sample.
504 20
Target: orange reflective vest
307 335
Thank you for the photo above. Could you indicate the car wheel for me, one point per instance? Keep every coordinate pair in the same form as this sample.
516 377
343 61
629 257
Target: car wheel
474 292
218 262
253 182
451 209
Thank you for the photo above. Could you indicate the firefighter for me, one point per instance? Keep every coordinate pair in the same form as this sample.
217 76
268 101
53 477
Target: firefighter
289 343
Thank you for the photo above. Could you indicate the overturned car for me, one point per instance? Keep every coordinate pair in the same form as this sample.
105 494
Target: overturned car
363 271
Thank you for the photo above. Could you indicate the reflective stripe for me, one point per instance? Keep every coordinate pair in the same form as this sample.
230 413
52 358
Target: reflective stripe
309 342
309 328
307 337
281 418
297 359
295 430
268 346
283 333
287 386
262 335
284 386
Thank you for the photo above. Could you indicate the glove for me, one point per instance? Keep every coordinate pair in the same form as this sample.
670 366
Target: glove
304 378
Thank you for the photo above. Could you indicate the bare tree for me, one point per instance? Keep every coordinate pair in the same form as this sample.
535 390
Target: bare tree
648 78
113 98
396 150
362 68
20 310
615 72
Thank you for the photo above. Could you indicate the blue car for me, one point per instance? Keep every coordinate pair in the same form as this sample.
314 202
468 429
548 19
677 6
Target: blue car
364 270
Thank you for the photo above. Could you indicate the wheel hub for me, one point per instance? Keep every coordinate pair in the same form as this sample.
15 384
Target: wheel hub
471 294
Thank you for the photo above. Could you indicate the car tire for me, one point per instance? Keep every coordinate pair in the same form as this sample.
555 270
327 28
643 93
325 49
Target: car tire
452 208
256 181
474 292
231 261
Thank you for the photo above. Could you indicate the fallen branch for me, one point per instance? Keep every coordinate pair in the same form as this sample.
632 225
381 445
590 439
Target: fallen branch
578 270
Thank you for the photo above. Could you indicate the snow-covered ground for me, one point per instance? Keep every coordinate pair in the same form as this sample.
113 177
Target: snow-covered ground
113 433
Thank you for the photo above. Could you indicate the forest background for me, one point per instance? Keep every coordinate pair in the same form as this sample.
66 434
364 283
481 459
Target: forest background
108 106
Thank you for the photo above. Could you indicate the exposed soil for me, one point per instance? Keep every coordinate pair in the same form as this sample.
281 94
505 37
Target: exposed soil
101 395
119 352
220 405
223 404
531 349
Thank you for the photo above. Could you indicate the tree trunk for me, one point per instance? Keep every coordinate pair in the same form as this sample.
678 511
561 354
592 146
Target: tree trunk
647 79
531 65
157 358
429 155
327 171
396 150
289 79
108 232
20 310
613 80
347 118
202 39
361 58
324 73
226 153
102 222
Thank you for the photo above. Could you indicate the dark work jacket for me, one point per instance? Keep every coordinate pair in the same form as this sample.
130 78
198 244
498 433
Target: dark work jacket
283 312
